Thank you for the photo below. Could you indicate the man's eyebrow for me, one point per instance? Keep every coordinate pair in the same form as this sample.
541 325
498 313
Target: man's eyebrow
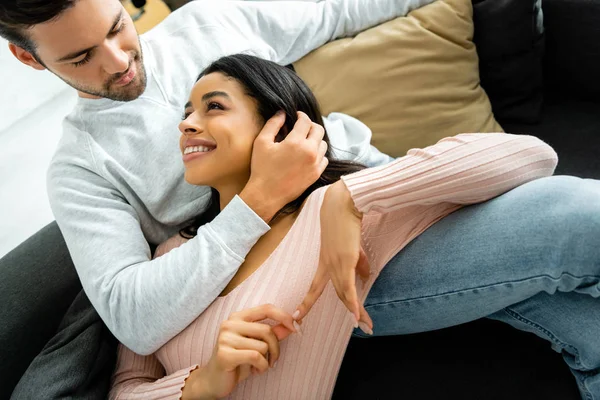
78 53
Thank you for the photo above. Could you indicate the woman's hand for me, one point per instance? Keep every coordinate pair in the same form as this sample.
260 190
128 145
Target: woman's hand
244 346
341 255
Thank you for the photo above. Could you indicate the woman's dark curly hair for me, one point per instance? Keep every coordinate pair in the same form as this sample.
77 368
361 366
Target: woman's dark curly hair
274 88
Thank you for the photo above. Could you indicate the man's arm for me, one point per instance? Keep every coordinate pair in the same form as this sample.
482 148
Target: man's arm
144 303
292 29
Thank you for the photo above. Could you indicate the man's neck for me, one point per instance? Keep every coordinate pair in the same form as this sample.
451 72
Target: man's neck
84 95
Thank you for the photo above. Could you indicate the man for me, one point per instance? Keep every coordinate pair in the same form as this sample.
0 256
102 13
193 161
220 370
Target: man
116 183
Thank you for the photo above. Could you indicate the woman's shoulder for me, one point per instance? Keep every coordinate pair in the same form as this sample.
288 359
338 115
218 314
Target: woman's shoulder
316 197
169 244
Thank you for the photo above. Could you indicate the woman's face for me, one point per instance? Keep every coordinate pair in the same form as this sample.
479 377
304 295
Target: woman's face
218 132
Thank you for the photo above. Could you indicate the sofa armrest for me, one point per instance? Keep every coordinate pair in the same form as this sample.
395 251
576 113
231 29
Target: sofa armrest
38 282
572 54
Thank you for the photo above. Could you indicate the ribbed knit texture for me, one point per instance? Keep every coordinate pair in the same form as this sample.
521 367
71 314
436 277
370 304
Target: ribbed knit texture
399 201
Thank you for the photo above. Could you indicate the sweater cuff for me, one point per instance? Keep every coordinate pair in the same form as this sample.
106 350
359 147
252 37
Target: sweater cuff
239 227
358 184
168 388
171 386
185 374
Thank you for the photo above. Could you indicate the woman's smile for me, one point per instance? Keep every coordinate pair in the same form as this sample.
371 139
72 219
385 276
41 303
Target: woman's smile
192 153
194 148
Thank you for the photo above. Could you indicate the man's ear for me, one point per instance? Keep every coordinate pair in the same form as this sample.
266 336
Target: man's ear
25 57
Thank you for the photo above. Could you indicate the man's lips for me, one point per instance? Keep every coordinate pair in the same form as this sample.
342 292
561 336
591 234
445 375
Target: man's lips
128 77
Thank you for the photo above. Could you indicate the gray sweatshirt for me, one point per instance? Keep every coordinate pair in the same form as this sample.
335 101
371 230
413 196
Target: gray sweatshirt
116 181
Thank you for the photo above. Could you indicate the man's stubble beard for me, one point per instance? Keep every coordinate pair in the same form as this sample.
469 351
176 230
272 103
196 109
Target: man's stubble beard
126 93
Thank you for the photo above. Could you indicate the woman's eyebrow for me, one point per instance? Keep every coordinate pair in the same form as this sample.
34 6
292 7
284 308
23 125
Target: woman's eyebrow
210 95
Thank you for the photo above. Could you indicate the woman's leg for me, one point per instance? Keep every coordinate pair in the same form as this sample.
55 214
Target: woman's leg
530 257
571 323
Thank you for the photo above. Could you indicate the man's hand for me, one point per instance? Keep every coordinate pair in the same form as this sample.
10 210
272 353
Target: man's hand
341 255
280 172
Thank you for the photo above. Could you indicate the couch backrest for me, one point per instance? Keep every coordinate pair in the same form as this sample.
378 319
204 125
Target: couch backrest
572 57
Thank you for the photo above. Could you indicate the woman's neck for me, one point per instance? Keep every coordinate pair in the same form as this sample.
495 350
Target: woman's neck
228 191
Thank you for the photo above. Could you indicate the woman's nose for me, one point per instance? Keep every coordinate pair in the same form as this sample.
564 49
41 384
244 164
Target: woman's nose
188 127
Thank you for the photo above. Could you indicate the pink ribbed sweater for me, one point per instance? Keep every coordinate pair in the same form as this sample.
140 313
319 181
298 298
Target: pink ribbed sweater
399 201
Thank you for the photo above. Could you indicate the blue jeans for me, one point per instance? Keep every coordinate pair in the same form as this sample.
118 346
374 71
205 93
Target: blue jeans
530 258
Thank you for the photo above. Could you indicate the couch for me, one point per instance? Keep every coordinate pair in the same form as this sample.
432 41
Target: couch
479 360
486 359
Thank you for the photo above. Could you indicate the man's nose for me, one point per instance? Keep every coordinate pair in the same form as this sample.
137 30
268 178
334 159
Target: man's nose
116 60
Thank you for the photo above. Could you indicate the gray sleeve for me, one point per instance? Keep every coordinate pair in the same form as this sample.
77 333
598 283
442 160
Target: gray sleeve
144 302
292 29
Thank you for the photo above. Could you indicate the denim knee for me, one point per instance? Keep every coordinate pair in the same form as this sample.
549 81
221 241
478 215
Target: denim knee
570 214
572 202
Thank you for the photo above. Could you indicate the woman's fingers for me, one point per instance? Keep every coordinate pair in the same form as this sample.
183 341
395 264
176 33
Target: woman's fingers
239 340
236 358
366 323
265 311
282 332
362 267
314 292
344 283
245 371
251 336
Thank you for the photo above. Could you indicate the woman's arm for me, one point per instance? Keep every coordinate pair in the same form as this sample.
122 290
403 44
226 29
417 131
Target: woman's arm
143 377
390 205
402 199
463 169
243 342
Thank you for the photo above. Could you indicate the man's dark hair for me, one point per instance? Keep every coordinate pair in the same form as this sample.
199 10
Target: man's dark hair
275 88
16 16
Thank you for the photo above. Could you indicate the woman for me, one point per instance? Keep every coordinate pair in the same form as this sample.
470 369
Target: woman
232 348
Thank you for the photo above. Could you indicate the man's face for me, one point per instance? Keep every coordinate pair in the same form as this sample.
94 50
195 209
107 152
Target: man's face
94 48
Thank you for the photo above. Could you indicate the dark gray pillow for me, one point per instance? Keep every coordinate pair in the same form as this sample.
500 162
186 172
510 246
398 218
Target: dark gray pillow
509 36
572 58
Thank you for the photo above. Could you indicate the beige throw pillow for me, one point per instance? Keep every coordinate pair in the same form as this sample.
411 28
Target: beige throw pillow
413 80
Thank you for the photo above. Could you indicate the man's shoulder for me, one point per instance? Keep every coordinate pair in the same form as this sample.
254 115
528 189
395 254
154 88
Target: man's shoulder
72 152
194 14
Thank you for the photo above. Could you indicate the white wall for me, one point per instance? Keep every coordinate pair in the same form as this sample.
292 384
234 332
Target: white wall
32 106
23 89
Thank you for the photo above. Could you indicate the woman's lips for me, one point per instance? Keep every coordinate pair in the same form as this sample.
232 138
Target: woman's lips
196 155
